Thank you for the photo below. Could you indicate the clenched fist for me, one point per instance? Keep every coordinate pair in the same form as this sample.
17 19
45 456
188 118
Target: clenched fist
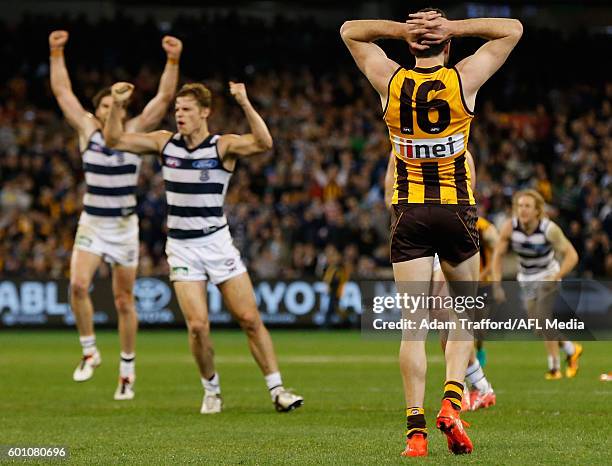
121 92
58 39
238 90
172 46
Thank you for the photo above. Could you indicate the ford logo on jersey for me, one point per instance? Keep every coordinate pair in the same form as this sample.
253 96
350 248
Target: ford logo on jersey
208 163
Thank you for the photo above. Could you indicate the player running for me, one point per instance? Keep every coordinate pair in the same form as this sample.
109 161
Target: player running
108 226
536 239
197 167
428 111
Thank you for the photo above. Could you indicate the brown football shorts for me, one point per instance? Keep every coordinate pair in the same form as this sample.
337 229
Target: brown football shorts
421 230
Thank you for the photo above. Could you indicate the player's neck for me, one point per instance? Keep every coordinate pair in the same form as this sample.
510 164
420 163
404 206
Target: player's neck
429 62
530 227
195 139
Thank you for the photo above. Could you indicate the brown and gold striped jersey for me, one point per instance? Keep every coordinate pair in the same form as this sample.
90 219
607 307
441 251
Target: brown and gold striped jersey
429 127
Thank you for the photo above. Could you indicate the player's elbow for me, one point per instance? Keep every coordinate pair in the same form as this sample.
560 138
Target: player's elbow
266 144
110 140
345 29
517 29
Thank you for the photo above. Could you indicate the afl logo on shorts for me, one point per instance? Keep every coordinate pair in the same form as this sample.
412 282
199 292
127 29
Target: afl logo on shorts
172 162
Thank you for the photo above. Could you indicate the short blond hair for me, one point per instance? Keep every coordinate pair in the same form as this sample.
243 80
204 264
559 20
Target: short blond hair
198 91
536 196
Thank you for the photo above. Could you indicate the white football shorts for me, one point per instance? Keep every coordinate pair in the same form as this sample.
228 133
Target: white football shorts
211 258
115 240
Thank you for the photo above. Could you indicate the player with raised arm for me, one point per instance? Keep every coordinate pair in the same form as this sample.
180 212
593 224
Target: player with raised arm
197 167
536 239
428 111
108 226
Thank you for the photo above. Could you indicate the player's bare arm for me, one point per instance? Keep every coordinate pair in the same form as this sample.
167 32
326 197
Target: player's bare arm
117 138
389 181
359 37
501 248
501 34
156 109
490 238
233 146
470 161
81 120
563 247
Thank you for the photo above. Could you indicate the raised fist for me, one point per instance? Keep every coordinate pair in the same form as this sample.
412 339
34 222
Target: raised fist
58 39
121 92
238 90
172 46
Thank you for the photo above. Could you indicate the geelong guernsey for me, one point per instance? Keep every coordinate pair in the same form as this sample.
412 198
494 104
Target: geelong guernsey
111 177
196 183
535 252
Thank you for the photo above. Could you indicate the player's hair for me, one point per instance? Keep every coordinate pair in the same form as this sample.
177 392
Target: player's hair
198 91
100 95
536 196
433 50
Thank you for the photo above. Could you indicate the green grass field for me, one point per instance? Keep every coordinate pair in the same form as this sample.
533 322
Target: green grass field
353 412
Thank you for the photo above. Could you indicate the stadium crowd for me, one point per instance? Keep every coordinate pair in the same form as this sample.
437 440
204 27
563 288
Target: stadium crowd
317 197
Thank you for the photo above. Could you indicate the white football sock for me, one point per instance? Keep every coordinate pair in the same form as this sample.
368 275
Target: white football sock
212 386
88 344
553 363
274 382
476 377
568 347
127 364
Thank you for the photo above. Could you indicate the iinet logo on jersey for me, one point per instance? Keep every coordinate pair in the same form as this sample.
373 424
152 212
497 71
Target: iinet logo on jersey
431 148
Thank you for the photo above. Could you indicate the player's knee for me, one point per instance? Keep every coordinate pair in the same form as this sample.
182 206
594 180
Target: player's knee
79 288
250 322
199 328
124 303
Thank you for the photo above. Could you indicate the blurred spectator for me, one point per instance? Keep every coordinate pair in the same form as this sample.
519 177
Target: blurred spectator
319 192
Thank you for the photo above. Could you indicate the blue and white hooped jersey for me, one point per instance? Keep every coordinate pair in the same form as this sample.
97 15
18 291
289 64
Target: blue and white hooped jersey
196 184
535 252
111 177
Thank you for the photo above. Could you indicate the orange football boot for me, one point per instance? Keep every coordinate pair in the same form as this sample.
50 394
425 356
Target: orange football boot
451 425
572 361
480 399
416 445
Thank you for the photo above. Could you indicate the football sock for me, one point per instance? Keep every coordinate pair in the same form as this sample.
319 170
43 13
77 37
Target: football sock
88 344
273 382
127 364
213 385
476 377
568 347
415 421
453 392
553 363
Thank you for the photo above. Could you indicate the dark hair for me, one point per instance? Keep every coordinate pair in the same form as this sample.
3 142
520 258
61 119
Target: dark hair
100 95
198 91
433 50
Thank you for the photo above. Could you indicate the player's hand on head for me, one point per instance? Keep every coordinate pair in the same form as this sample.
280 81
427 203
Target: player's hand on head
238 90
122 91
58 39
433 27
172 46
